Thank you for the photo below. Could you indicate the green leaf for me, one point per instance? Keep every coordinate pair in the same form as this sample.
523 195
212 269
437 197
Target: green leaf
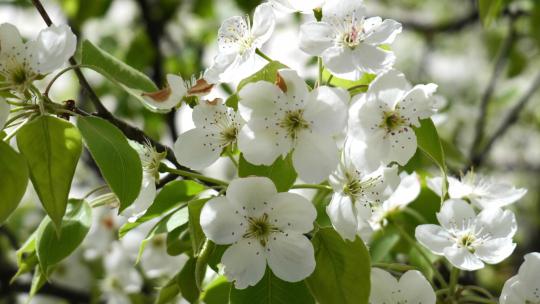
118 162
186 281
38 280
14 177
355 86
52 148
489 10
383 243
430 144
267 73
168 292
217 292
271 289
51 248
26 257
178 242
342 274
195 230
281 172
171 196
131 80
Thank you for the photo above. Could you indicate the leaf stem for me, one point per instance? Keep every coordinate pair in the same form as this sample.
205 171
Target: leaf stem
62 72
312 186
263 55
321 68
193 175
394 266
454 275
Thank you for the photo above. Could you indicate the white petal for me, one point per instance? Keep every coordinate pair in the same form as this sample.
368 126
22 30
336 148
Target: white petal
383 286
401 145
496 250
340 61
383 33
463 259
303 6
512 292
315 37
177 91
327 110
10 37
416 289
433 237
4 112
407 191
365 118
291 212
525 285
222 221
252 194
197 149
496 223
210 116
456 214
259 99
55 45
342 214
343 9
230 34
371 59
146 197
435 185
262 148
297 89
263 23
221 63
315 157
457 189
388 87
498 195
386 183
244 263
529 270
418 103
290 256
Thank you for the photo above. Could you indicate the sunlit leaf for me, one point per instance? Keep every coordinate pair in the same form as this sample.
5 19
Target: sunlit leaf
14 177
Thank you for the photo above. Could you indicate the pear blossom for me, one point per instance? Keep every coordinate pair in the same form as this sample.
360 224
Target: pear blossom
102 233
216 128
303 6
383 119
286 118
22 63
468 240
169 97
264 227
481 191
348 42
121 277
525 286
356 194
412 287
407 191
238 40
4 112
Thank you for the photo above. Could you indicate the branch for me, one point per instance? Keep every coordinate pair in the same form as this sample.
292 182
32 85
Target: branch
444 27
511 119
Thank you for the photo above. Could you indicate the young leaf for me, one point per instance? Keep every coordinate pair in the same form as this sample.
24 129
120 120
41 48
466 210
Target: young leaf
489 10
119 164
52 148
186 281
133 81
217 291
168 292
51 248
271 289
281 172
14 177
429 142
195 230
342 274
171 196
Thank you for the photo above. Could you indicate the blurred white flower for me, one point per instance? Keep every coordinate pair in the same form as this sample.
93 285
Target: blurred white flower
348 42
238 39
121 277
525 286
482 191
102 233
303 6
263 226
468 240
22 63
412 287
356 194
382 119
4 112
216 128
287 117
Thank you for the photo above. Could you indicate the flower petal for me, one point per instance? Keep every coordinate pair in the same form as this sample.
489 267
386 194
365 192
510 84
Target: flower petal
230 34
456 214
495 250
10 37
498 195
496 223
221 63
463 259
291 212
197 149
383 286
297 89
54 46
342 214
340 61
259 99
251 194
327 110
315 157
388 87
435 184
146 197
211 117
433 237
221 221
418 103
371 59
383 33
263 23
400 146
315 37
512 292
407 191
290 256
458 189
343 9
244 263
415 288
264 147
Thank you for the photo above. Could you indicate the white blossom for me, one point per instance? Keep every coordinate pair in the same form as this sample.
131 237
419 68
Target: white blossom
169 97
264 227
121 278
468 240
480 190
238 39
288 118
383 119
356 194
303 6
411 288
525 286
348 42
102 233
4 112
22 63
216 128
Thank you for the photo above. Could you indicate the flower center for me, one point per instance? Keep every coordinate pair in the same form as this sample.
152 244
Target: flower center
356 188
229 135
466 241
294 122
19 76
392 121
260 229
352 38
